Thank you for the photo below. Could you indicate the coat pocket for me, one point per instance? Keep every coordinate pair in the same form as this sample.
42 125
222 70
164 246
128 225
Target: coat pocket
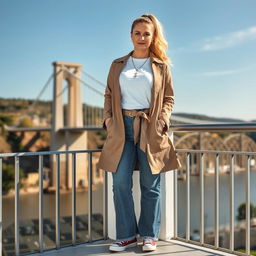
109 123
160 127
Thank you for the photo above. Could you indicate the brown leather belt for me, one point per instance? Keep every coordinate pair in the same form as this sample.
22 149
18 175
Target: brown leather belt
136 124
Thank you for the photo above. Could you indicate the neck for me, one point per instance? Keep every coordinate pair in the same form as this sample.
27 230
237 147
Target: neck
140 54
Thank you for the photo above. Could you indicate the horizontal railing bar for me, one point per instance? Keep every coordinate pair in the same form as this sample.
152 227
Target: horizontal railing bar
79 129
2 155
41 153
231 127
214 152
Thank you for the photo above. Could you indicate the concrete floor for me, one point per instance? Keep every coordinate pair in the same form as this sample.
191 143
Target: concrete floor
100 248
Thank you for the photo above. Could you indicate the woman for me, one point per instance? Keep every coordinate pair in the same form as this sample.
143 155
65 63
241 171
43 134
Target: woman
138 102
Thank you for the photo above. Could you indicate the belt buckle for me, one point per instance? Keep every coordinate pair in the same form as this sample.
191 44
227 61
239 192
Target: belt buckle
130 114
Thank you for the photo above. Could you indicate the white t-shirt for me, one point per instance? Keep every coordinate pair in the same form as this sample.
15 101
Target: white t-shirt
136 91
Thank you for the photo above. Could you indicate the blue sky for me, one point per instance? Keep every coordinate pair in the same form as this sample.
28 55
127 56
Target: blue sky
212 45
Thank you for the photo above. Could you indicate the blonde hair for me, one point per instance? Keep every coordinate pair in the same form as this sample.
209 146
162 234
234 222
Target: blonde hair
159 44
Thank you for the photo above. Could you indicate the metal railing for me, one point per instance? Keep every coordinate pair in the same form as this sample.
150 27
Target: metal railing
188 152
57 154
235 127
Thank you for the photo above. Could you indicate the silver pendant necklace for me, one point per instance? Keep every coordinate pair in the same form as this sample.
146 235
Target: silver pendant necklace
137 69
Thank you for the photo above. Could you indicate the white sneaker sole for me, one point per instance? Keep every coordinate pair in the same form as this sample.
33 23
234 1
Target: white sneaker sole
148 248
120 249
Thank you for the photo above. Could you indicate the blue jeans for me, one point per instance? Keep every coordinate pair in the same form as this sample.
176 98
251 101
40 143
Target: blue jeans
149 222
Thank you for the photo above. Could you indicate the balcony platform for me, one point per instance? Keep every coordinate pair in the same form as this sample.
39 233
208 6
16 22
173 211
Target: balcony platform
100 248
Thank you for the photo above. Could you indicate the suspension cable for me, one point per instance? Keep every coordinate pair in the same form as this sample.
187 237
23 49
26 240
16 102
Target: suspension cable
95 90
41 92
94 79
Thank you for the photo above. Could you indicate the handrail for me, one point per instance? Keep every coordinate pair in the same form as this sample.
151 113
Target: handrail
216 127
231 127
43 153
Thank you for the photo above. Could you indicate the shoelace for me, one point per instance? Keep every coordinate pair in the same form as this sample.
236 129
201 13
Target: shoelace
122 243
147 241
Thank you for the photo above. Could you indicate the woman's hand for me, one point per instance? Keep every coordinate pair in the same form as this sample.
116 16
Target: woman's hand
163 124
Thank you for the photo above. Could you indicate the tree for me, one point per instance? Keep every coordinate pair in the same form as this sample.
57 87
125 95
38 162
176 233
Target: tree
26 122
9 177
242 211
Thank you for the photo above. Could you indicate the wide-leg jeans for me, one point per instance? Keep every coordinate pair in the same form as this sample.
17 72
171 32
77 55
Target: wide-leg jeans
149 221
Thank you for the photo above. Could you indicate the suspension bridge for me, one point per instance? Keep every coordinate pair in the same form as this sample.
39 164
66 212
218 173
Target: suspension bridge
71 120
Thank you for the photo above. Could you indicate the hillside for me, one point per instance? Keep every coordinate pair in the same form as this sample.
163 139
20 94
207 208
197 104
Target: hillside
25 113
16 107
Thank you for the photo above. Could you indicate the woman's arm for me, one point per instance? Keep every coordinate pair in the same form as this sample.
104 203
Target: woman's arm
168 99
107 112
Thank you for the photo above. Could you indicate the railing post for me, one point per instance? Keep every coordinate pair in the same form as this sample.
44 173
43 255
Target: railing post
175 198
248 206
216 199
57 206
105 206
188 197
168 224
201 198
90 197
231 205
41 216
1 206
17 209
73 198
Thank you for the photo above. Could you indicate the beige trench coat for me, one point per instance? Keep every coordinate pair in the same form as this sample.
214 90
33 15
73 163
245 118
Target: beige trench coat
158 146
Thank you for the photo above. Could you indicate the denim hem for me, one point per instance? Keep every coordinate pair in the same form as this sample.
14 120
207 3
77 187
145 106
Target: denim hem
151 237
127 238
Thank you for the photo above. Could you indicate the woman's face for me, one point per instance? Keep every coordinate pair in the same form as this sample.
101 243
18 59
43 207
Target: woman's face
142 35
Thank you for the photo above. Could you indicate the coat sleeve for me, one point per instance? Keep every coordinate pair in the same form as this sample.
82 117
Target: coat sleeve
107 111
168 99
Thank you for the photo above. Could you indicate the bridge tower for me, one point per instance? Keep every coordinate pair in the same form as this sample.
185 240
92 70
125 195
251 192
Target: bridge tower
65 134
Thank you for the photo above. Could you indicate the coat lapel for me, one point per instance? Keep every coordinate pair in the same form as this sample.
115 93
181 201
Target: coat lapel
156 65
